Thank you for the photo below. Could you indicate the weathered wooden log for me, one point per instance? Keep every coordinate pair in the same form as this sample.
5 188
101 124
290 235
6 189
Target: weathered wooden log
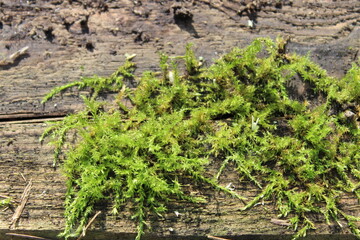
69 39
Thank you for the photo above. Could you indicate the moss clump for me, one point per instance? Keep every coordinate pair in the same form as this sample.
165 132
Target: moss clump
301 156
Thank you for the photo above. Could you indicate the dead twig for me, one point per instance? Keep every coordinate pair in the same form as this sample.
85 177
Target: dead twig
216 238
20 208
5 209
88 225
26 236
3 196
280 222
23 177
11 59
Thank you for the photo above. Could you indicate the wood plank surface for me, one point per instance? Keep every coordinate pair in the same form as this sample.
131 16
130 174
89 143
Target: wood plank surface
70 39
23 157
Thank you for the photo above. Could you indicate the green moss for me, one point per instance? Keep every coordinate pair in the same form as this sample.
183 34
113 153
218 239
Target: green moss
5 203
302 156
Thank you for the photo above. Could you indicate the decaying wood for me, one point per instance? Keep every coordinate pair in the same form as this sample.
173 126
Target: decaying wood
67 41
49 43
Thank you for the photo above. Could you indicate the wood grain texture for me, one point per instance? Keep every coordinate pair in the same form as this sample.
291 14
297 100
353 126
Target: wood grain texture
70 39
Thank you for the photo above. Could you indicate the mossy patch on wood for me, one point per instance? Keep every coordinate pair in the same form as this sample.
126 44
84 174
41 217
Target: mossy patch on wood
302 155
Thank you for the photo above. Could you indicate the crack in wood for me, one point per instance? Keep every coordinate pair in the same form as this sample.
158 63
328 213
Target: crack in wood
31 117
